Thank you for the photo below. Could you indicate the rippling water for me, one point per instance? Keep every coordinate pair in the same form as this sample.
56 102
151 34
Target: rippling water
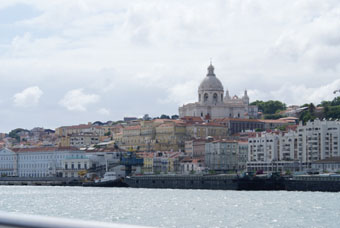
177 208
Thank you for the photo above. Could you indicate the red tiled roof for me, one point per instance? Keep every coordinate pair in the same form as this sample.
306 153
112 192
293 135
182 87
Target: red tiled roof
135 127
43 149
192 119
192 160
206 124
81 126
274 121
166 125
145 155
98 150
329 160
224 140
225 120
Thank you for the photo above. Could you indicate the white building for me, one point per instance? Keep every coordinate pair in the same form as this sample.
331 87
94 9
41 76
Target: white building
294 151
263 148
212 103
318 140
192 166
274 152
42 162
8 163
74 165
288 150
242 156
84 140
221 155
327 165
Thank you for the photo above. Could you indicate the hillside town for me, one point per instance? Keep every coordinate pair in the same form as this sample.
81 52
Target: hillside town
218 134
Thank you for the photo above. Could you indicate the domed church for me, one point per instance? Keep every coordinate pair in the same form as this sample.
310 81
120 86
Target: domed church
213 104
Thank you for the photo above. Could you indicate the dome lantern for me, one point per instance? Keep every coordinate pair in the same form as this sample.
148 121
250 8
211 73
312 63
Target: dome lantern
211 82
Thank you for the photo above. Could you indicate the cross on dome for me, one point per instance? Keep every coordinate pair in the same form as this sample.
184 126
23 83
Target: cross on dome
211 70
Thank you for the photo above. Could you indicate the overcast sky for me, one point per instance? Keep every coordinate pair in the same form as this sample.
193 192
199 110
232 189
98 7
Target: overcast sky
68 62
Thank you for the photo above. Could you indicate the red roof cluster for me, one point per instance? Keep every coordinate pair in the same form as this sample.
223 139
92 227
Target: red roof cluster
44 149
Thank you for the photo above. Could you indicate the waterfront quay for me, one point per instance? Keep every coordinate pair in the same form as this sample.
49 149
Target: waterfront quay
42 181
247 182
322 183
220 182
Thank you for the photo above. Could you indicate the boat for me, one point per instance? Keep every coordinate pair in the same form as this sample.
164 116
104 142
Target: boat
261 182
110 179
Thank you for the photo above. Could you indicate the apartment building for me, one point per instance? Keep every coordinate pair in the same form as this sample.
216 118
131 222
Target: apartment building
294 150
223 155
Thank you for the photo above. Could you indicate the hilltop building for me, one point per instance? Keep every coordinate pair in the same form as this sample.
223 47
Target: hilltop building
213 104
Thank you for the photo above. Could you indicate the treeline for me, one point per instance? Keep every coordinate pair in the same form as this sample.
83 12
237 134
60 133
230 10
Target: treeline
270 109
325 110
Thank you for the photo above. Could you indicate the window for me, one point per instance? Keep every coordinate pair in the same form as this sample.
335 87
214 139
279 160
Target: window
206 97
215 98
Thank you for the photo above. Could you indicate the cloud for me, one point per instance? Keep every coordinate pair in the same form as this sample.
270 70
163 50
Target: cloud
77 100
104 112
28 97
180 94
298 94
150 56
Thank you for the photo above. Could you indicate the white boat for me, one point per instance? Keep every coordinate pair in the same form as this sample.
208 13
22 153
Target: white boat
108 176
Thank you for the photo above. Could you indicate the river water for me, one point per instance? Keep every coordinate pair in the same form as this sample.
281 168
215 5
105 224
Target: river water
177 208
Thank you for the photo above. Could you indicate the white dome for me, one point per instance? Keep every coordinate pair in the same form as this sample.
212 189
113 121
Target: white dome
211 82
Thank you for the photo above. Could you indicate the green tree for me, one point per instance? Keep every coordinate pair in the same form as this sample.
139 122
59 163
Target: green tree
335 101
272 116
332 112
163 116
14 133
270 107
174 117
311 108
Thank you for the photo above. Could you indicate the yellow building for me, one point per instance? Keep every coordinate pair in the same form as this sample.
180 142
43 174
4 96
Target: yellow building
170 136
64 141
79 129
165 134
203 130
147 162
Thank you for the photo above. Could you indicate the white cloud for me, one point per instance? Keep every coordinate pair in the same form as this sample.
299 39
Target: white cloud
28 97
158 50
104 112
180 94
77 100
298 94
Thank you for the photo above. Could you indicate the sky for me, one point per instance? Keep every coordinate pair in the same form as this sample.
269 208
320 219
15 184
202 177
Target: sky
68 62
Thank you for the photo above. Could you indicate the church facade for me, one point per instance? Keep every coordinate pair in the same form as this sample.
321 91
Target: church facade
214 104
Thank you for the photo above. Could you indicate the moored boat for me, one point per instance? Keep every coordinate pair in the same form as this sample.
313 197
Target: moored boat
110 179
